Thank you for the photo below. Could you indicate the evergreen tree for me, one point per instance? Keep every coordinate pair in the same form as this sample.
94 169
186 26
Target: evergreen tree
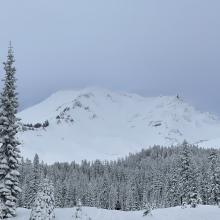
43 207
172 189
64 194
58 196
113 198
34 181
214 172
2 209
132 196
203 179
9 152
104 194
187 177
70 199
26 183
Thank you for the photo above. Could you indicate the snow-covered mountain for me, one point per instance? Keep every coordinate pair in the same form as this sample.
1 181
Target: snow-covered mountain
100 124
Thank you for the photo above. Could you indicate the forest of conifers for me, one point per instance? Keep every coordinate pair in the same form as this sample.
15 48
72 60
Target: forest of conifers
158 176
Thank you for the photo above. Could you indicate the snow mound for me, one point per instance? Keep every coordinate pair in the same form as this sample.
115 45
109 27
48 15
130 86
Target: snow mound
177 213
101 124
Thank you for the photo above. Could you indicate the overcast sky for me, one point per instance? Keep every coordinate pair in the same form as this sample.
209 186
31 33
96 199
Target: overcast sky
151 47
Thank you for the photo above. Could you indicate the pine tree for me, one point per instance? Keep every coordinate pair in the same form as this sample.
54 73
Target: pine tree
113 198
9 152
21 182
58 194
43 207
203 179
64 194
104 194
132 196
26 183
187 177
214 173
172 189
33 182
2 209
70 199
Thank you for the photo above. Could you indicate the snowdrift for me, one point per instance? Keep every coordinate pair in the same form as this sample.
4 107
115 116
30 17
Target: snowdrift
177 213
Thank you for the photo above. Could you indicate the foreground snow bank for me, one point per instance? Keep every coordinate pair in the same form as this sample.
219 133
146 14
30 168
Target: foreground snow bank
177 213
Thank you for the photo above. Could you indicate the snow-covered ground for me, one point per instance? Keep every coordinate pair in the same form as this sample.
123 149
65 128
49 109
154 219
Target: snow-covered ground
102 124
177 213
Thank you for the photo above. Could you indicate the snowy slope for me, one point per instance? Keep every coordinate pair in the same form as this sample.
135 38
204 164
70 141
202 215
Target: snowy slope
177 213
100 124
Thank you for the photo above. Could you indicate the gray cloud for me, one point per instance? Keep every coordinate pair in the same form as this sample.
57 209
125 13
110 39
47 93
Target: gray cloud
151 47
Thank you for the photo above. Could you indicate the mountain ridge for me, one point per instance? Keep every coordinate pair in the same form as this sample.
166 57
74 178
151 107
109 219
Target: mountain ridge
102 124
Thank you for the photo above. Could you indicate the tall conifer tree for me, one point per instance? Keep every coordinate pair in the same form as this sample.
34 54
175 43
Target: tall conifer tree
9 152
187 177
214 173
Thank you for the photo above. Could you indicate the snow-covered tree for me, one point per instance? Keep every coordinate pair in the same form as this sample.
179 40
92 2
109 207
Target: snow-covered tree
184 174
104 194
2 209
9 152
43 207
113 198
132 196
70 199
204 182
187 177
31 183
194 198
172 189
214 173
26 170
58 195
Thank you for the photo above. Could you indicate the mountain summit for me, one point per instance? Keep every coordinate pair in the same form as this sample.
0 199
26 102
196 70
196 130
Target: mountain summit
101 124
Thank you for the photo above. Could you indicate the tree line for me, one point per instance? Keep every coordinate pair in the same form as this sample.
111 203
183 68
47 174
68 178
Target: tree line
158 176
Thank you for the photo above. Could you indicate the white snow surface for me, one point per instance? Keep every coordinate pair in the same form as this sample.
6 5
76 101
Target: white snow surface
102 124
177 213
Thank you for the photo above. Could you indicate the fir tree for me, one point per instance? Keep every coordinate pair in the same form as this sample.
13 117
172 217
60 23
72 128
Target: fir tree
113 198
132 196
33 180
9 152
58 194
104 194
172 189
204 181
70 200
43 207
214 172
187 177
2 209
25 180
